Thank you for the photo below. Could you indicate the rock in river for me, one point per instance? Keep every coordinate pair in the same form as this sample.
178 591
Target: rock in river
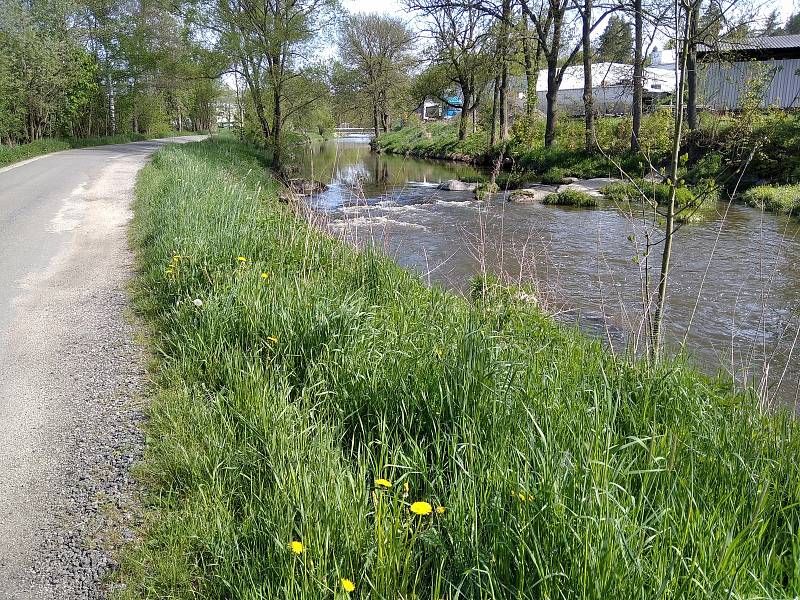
454 185
531 195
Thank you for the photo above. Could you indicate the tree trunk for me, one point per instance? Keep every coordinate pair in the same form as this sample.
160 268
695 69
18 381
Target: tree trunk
493 128
638 73
691 66
666 254
251 80
277 126
504 48
553 79
588 94
463 122
552 99
531 59
503 101
375 119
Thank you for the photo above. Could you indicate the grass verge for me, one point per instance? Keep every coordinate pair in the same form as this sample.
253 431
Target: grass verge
13 154
316 406
781 199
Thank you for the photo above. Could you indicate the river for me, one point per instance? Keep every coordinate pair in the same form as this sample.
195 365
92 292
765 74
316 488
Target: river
735 279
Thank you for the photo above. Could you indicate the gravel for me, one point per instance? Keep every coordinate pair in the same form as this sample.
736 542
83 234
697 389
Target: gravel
72 379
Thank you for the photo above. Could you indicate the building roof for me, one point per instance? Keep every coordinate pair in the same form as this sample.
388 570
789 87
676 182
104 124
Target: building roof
612 75
778 46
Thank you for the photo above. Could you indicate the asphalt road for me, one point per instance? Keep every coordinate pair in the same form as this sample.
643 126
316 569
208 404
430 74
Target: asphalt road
70 371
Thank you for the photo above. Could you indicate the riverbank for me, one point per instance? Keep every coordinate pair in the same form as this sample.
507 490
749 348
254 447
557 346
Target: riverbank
764 145
324 422
13 154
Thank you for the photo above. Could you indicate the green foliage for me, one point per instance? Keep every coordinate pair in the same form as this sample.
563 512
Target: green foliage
564 471
783 199
658 193
553 176
569 197
616 42
134 70
434 140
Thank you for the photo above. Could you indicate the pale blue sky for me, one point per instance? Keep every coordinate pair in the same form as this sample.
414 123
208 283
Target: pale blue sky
396 6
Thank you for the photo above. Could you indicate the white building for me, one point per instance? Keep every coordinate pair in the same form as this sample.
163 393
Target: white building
612 87
768 67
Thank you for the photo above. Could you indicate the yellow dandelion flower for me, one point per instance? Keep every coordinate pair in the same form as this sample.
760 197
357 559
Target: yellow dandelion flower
264 275
170 271
348 585
384 483
297 547
421 508
241 259
440 510
272 339
522 496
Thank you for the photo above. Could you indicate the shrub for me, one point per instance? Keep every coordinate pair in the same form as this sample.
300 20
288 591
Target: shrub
620 192
783 199
570 197
553 176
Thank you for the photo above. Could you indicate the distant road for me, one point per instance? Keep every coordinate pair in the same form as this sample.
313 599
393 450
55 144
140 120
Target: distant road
70 372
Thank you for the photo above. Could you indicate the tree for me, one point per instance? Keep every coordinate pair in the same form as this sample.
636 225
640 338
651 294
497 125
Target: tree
532 58
588 93
461 47
270 44
551 25
792 26
377 54
615 44
771 24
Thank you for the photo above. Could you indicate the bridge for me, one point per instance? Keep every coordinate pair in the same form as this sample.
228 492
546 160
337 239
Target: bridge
345 131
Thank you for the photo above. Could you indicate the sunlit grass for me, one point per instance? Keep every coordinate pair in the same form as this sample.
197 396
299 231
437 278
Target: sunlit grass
320 403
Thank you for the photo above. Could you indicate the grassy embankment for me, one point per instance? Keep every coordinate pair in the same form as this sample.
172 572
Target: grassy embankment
294 371
12 154
783 200
713 155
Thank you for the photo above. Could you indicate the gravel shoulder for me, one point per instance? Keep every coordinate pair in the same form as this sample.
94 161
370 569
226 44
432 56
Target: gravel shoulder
71 377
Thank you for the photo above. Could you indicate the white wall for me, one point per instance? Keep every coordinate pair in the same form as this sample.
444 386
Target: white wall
608 100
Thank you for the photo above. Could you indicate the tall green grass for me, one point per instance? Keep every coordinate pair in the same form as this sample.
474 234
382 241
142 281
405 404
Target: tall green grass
12 154
292 371
781 199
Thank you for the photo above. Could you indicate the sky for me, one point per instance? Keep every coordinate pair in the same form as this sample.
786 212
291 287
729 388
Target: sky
395 7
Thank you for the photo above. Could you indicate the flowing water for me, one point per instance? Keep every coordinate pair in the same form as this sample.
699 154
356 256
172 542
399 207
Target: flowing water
735 282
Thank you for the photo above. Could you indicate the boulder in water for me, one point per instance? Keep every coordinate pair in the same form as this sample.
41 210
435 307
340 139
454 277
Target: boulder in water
454 185
530 195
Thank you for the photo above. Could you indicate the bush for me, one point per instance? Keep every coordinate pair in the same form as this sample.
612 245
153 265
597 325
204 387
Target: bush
571 198
782 199
653 191
553 176
621 192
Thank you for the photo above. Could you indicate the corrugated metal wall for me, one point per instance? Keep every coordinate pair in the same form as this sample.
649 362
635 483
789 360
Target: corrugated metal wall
722 85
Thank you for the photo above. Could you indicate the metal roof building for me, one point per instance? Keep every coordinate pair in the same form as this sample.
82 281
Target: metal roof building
764 68
612 87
